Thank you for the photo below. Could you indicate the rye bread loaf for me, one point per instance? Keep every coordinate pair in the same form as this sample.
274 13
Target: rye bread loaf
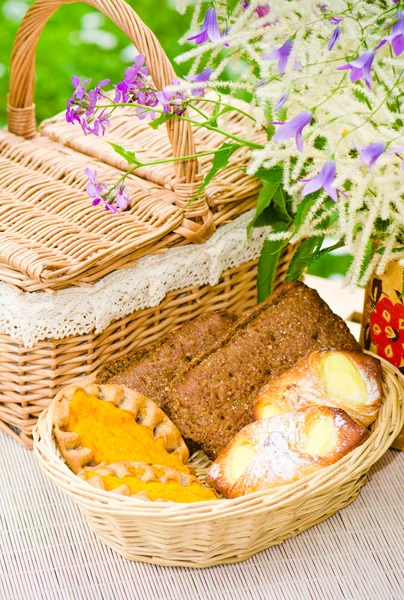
213 399
150 370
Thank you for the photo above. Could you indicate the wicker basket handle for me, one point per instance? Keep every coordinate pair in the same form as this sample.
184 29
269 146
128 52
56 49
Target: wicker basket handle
21 107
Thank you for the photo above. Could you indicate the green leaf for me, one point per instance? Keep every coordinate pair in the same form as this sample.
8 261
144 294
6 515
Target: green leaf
320 253
361 97
280 205
268 114
231 5
303 256
219 162
126 154
366 259
268 111
398 125
320 142
267 264
304 207
155 124
282 114
271 184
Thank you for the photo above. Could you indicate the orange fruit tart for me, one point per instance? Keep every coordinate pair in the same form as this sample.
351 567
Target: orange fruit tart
148 482
105 424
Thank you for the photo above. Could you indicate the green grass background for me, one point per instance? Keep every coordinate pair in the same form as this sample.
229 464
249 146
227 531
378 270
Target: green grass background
80 41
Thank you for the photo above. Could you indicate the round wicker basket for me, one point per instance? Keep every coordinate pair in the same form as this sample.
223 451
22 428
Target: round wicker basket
209 533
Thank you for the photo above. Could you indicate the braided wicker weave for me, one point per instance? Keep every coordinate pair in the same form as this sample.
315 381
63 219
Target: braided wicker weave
209 533
51 237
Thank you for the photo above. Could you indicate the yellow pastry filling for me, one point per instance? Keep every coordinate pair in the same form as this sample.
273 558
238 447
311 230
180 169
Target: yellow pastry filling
240 459
169 491
114 436
320 436
342 379
270 410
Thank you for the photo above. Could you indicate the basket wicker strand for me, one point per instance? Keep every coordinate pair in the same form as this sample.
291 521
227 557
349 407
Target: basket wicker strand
52 238
210 533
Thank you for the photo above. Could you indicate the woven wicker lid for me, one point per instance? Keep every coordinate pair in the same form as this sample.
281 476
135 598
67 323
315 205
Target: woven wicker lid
51 235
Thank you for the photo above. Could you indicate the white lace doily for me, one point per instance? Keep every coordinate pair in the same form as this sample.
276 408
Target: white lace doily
36 316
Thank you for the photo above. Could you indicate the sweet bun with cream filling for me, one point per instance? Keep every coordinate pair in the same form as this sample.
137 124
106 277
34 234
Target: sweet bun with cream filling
342 378
284 448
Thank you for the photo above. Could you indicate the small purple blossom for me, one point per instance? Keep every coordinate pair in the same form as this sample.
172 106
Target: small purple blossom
209 29
102 193
80 88
369 154
201 77
360 67
293 128
173 101
399 151
282 54
336 20
396 37
262 10
135 88
122 196
101 123
82 106
324 180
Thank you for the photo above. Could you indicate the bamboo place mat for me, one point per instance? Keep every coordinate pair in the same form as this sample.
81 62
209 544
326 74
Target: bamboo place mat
47 551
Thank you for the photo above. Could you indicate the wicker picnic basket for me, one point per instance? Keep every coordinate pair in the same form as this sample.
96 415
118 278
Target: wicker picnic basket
53 239
210 533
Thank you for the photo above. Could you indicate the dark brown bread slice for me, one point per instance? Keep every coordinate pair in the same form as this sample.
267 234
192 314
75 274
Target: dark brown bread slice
212 400
149 371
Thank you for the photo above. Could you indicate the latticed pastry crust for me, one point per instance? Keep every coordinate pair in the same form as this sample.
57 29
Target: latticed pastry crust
145 472
144 411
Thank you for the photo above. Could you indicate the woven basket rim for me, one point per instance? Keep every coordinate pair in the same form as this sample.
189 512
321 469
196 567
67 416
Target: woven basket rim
383 432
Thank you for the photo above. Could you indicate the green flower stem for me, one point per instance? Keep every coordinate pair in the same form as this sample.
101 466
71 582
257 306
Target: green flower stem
226 134
168 160
225 105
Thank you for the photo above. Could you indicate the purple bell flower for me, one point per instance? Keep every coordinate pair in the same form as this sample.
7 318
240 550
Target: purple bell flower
324 180
282 54
369 154
209 30
360 67
281 100
396 37
293 128
336 33
398 151
201 77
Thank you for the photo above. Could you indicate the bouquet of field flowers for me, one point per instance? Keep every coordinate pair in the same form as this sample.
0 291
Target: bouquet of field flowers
325 85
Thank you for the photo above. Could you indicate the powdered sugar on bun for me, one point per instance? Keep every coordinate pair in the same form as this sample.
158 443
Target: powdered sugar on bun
284 448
